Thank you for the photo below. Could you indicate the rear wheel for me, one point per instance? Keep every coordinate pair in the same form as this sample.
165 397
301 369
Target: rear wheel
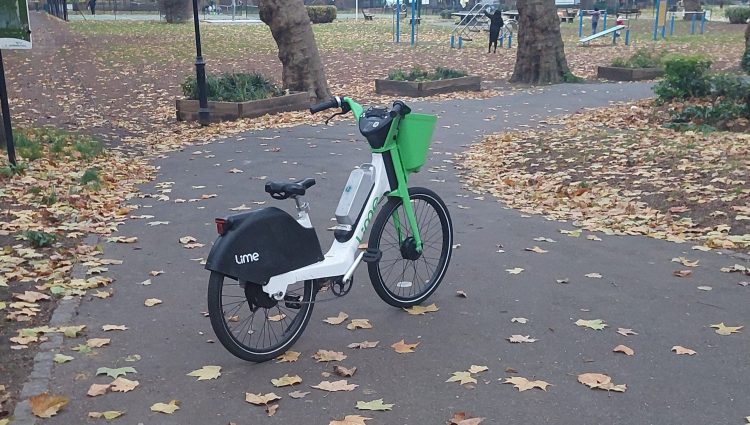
252 325
404 277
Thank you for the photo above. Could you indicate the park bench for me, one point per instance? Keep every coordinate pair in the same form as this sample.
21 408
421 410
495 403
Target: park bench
566 16
368 16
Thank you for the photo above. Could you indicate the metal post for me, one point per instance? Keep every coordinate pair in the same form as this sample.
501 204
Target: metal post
10 146
627 37
703 21
692 23
413 21
664 31
656 20
200 71
398 22
453 41
580 23
671 26
510 39
460 41
605 21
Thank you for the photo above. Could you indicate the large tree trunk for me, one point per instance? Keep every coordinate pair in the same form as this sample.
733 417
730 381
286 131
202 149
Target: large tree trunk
292 30
541 55
691 6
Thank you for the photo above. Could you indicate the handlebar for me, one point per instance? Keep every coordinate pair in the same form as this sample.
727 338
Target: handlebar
348 105
334 102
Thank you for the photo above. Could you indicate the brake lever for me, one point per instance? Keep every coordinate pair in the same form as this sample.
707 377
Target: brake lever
335 115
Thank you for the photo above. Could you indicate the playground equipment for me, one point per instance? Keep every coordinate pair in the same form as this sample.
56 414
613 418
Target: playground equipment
399 9
474 21
613 30
660 21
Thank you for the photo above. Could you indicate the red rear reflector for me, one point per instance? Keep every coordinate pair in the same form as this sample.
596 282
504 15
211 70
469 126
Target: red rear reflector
220 226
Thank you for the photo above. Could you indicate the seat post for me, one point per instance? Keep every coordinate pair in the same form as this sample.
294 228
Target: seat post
303 211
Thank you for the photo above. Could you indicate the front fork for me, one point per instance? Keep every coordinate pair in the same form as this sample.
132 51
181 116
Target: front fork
403 192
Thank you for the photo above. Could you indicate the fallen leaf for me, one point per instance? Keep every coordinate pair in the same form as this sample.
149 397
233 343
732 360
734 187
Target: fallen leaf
593 238
343 371
206 372
156 272
374 405
288 357
594 275
350 420
337 320
359 324
145 282
477 369
460 418
341 385
543 239
62 358
298 394
271 409
461 294
723 329
537 250
462 377
45 405
97 389
601 381
259 399
97 342
235 171
363 344
168 408
701 248
596 324
123 385
625 331
402 348
678 349
516 270
133 358
571 233
521 320
685 262
418 309
108 415
329 356
115 373
187 239
705 288
683 273
286 380
114 328
521 338
31 296
624 349
122 239
524 384
152 302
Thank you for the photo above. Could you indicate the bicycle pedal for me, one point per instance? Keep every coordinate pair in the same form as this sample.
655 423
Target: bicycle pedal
372 255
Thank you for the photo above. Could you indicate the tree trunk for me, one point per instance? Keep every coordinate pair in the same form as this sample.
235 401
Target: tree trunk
541 55
691 6
292 30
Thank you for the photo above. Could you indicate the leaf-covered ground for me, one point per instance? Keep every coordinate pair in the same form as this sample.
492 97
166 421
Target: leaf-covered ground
616 170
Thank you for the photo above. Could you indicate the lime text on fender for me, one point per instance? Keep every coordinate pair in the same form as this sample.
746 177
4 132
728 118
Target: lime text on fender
367 220
246 258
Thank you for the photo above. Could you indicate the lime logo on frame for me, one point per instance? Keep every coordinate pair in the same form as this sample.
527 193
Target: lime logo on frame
368 219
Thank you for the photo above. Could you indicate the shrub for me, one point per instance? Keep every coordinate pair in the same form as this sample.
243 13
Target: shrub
238 87
684 77
175 10
745 63
708 117
737 15
420 74
446 13
39 239
730 87
642 58
321 14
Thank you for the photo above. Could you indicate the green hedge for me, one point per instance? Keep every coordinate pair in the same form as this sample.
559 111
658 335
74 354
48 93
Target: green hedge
642 58
685 77
737 15
420 74
237 87
321 14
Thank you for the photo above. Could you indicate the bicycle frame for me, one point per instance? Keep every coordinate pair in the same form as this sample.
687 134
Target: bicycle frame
342 258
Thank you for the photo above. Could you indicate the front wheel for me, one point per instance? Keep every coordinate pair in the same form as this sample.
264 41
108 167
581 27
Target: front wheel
252 325
404 276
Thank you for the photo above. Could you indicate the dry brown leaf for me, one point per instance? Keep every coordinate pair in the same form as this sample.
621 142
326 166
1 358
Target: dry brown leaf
206 373
521 338
123 385
462 377
364 344
418 309
343 371
259 399
678 349
45 405
168 408
723 329
152 302
359 324
288 357
460 418
402 348
97 342
271 409
286 380
537 250
337 320
461 294
108 415
341 385
31 296
524 384
329 356
477 369
97 389
298 394
114 328
683 273
624 349
600 381
350 420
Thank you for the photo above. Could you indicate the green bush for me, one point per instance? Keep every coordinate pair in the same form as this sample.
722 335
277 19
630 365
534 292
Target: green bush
420 74
738 14
321 14
446 13
175 11
39 239
708 117
730 87
745 63
642 58
238 87
684 77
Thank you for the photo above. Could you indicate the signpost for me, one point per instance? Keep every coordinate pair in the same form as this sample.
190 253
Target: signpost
15 33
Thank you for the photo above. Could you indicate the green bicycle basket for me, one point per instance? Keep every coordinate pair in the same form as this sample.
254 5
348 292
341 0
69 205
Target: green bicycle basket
413 140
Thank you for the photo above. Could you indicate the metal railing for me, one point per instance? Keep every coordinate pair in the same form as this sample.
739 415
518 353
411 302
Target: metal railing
57 8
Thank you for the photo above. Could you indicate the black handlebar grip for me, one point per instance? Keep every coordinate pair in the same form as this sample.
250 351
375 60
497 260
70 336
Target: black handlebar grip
332 103
399 108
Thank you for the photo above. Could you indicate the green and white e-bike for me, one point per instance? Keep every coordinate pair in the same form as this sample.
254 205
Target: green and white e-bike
267 267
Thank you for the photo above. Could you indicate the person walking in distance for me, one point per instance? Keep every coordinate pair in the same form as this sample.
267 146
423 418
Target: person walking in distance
496 22
595 20
92 6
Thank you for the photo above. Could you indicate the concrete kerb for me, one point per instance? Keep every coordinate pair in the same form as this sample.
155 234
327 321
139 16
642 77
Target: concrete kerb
41 374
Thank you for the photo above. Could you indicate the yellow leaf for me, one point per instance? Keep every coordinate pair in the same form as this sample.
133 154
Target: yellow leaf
298 394
359 324
259 398
286 380
97 389
152 302
537 250
350 420
338 319
206 372
723 329
344 371
678 349
45 405
462 378
97 342
521 338
624 349
374 405
329 356
288 357
123 385
477 369
102 294
62 358
524 384
167 408
601 381
341 385
271 410
402 348
418 309
31 296
364 344
114 328
108 415
596 324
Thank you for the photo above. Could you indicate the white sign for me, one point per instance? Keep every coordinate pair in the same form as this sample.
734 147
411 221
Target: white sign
15 32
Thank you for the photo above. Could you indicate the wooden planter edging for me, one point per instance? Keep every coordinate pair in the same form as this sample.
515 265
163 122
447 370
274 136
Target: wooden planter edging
187 110
628 74
427 88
